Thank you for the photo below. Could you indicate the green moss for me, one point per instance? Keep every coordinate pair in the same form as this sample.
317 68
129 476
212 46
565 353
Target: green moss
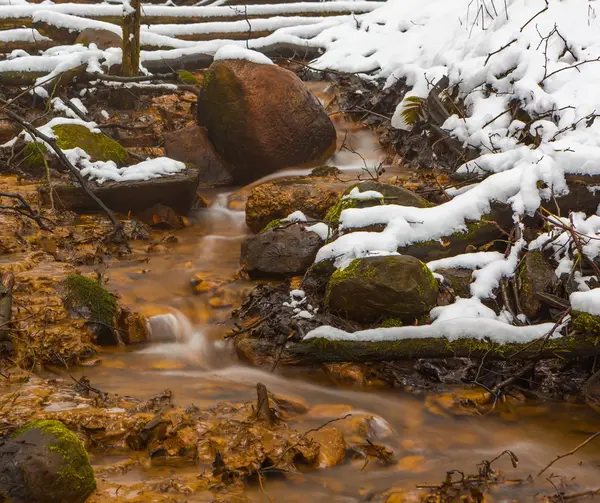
187 78
97 145
391 322
77 475
353 270
272 224
586 323
87 293
332 218
33 155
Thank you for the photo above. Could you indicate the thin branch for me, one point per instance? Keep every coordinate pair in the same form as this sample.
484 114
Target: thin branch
571 452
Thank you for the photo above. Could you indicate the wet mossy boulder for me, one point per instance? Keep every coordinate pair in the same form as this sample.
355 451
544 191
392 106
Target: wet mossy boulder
392 194
262 118
536 275
278 199
44 462
280 252
375 288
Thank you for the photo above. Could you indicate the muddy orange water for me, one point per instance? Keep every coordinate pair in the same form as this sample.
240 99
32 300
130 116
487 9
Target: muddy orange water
427 438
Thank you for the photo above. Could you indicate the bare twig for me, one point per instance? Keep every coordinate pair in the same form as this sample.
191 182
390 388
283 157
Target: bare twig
571 452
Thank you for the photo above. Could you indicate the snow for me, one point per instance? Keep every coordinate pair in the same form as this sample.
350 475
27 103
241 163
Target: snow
322 229
363 196
296 216
452 329
102 171
465 261
22 35
587 302
231 51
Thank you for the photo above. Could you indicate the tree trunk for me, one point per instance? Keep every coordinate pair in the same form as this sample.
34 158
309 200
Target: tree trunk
7 281
130 66
318 351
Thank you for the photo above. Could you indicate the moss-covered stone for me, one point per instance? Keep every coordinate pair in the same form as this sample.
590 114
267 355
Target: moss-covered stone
33 155
90 297
48 463
97 145
375 287
323 171
586 323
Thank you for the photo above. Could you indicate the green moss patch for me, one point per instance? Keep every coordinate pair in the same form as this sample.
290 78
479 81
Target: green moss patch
85 293
97 145
272 224
586 323
77 476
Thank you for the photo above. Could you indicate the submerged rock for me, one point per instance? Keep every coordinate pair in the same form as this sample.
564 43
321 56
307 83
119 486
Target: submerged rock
376 287
332 447
287 251
192 146
44 462
262 118
275 200
162 217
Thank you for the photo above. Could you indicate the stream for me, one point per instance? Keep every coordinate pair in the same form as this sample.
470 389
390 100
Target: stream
187 355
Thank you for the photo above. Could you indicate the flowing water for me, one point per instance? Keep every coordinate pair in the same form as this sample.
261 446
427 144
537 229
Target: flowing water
188 357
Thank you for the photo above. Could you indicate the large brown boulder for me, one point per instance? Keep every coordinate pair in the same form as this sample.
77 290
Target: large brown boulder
103 39
287 251
262 118
192 146
374 288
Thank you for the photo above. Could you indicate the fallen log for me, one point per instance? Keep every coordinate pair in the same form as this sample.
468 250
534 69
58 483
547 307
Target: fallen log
178 191
7 282
319 350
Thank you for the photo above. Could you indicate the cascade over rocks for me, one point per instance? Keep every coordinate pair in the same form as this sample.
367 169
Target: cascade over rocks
44 462
262 118
287 251
378 287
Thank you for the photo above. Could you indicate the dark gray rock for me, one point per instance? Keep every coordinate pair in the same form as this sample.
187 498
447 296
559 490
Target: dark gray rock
280 252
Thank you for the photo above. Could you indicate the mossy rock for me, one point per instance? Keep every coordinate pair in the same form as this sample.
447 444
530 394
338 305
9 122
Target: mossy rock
89 299
44 462
97 145
372 288
325 171
585 323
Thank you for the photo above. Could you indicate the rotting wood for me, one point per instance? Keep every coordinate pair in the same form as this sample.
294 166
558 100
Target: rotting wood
318 351
130 66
